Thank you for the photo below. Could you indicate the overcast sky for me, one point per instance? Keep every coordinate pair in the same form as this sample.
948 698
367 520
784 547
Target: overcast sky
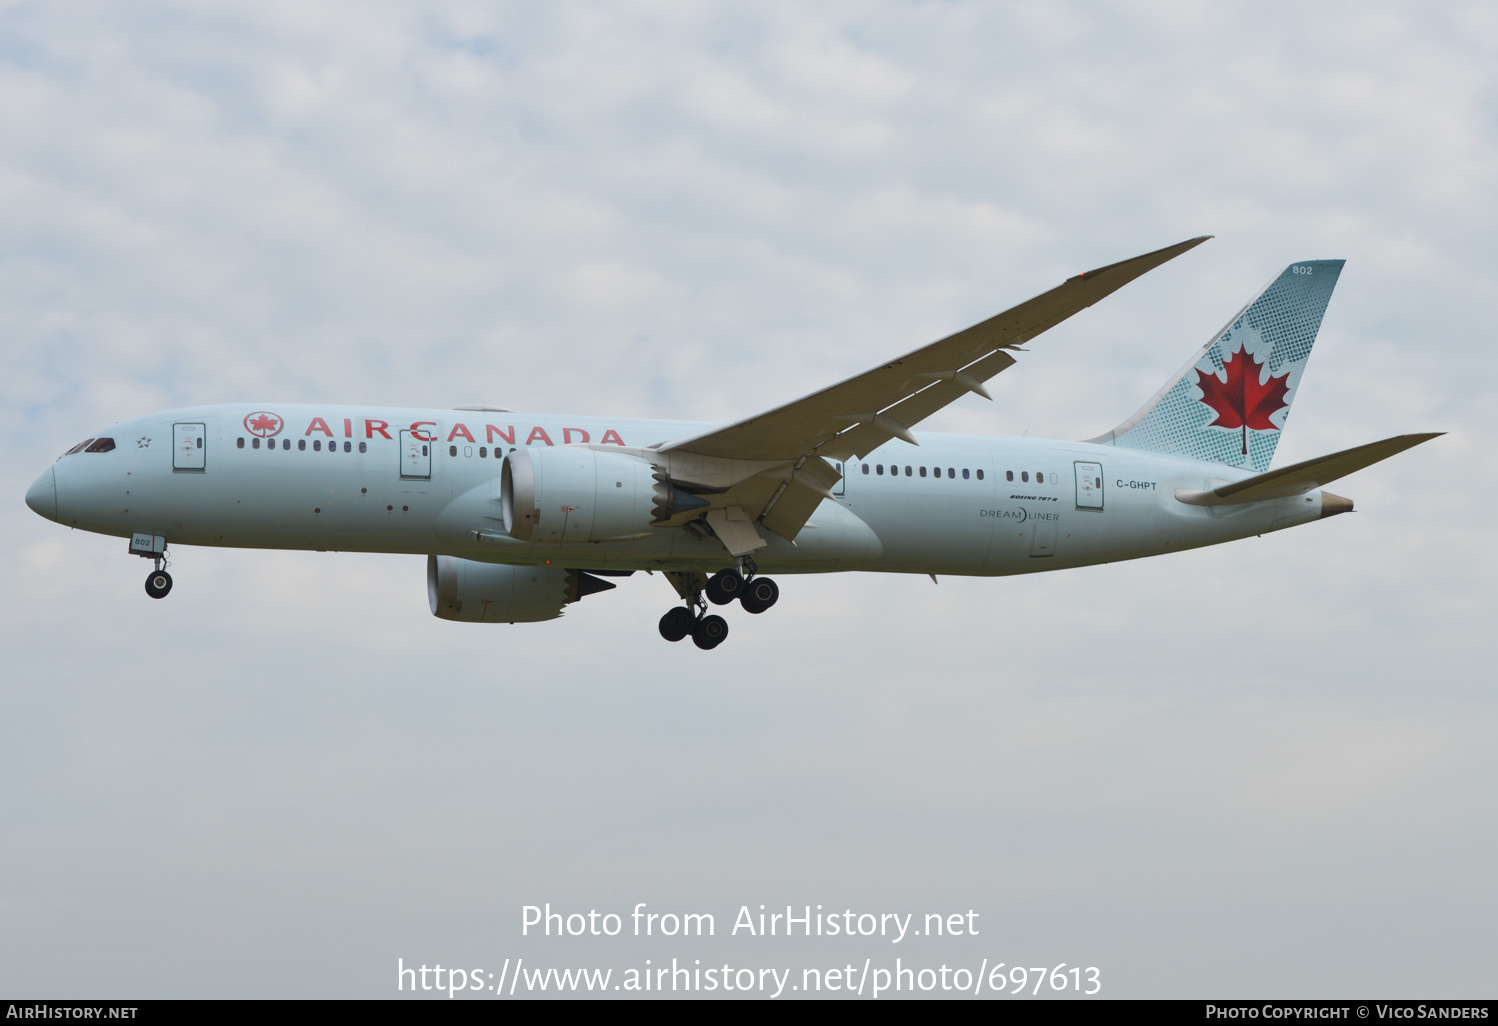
1266 768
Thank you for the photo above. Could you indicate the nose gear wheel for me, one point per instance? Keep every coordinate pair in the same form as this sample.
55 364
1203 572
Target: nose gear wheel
158 583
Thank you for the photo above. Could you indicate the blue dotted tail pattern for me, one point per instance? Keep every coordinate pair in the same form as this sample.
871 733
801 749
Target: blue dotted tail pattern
1269 338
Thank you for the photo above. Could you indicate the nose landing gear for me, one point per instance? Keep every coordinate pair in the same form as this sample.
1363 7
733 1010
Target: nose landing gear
153 547
158 582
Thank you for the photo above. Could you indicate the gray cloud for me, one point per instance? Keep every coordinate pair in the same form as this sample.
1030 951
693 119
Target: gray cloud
1261 768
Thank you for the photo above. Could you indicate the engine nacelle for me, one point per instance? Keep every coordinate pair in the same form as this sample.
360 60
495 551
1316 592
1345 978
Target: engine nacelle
464 589
572 495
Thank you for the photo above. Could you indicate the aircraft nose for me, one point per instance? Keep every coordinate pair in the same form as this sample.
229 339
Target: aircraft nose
42 495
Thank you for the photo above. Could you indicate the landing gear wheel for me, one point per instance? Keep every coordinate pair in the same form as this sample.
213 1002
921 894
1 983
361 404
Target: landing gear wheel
710 632
723 587
158 583
677 623
759 594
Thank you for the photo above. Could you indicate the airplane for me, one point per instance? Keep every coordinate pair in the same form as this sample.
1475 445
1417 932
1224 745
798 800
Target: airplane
520 515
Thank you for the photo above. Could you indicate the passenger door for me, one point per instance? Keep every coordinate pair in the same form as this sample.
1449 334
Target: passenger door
416 456
189 450
1089 485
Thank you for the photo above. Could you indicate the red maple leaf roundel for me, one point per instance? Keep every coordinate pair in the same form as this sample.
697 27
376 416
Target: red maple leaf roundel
1241 401
263 424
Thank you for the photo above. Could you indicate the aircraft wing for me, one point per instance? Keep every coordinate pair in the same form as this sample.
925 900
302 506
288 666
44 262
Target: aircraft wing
860 414
856 416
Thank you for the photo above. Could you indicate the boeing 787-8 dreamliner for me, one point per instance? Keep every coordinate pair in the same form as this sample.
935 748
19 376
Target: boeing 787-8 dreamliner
521 514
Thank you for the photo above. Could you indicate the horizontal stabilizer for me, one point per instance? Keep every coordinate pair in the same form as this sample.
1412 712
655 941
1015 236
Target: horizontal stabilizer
1302 477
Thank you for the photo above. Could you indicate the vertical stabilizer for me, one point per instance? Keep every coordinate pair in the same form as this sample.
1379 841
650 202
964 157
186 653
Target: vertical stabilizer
1229 404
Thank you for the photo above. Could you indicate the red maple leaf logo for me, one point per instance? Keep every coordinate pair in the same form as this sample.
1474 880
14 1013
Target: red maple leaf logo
262 424
1240 401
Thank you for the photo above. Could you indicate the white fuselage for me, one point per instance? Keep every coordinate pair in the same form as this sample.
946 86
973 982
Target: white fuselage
335 478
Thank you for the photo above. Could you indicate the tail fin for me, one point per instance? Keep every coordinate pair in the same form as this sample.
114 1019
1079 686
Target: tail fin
1229 404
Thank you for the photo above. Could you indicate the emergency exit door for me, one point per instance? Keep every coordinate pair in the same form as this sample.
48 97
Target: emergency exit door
1089 485
188 447
416 455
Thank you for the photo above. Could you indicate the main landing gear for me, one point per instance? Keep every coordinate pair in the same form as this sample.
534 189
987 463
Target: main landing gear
708 630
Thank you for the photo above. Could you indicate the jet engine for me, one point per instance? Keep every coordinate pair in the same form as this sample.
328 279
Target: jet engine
572 495
465 589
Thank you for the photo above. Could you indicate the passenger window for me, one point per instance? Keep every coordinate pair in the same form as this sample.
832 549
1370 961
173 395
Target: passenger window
240 442
907 472
348 447
483 451
452 450
980 475
317 445
951 473
254 443
363 446
286 444
423 452
1024 475
879 469
865 468
1040 477
301 445
964 473
1008 475
923 471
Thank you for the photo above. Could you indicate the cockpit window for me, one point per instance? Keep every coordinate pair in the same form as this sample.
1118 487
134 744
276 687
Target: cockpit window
79 447
101 445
